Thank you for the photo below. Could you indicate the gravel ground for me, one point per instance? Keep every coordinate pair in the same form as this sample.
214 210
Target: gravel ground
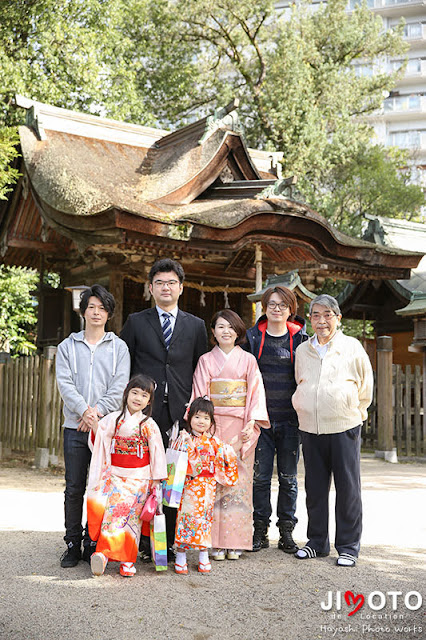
266 595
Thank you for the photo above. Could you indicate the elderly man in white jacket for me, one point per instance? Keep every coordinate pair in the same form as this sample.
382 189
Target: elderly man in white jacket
334 390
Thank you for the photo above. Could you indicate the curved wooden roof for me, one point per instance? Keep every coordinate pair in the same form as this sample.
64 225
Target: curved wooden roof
197 188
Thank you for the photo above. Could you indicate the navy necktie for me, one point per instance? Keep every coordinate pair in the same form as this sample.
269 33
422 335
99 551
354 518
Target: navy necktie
167 328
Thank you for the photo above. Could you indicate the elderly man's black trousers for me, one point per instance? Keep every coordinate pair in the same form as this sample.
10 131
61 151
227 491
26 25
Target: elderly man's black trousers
336 455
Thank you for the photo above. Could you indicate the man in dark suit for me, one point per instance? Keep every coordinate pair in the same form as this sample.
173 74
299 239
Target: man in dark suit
165 344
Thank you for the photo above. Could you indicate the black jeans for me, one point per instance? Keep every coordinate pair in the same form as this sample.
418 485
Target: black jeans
336 454
283 440
77 459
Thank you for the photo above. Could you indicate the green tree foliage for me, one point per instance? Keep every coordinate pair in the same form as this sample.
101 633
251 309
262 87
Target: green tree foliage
70 53
104 57
8 151
374 180
17 310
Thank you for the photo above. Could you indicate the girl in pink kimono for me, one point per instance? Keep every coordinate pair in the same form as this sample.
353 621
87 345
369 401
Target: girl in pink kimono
230 377
128 462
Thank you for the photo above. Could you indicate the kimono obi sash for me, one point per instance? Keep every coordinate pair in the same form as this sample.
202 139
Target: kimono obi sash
228 393
205 474
129 453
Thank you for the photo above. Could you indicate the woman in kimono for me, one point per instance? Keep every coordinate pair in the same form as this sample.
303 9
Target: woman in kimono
128 463
230 377
210 462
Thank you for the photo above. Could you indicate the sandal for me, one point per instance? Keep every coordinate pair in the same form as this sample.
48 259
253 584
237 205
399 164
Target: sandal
346 560
127 569
204 568
98 563
181 568
219 554
306 553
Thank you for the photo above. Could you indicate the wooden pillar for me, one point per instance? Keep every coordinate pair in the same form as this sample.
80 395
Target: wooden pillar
44 408
4 444
258 264
116 287
424 400
385 446
67 311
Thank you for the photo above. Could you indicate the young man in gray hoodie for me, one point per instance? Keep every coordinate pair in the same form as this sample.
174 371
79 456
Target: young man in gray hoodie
92 370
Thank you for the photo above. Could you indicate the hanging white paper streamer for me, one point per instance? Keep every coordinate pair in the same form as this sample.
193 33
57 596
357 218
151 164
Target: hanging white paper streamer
202 296
225 295
146 293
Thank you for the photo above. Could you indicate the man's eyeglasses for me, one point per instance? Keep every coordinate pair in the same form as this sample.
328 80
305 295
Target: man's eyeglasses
327 315
165 283
282 306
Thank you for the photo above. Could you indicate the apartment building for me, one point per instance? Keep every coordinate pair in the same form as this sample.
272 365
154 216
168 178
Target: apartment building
402 120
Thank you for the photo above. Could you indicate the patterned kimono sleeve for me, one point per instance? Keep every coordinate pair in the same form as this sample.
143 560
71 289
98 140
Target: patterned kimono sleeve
186 443
226 467
99 473
100 446
157 455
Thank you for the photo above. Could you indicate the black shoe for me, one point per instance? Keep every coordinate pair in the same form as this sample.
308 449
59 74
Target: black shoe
145 549
286 542
71 557
145 556
260 535
88 551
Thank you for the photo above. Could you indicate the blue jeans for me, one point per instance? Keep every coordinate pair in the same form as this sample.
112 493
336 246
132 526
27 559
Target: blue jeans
77 459
283 440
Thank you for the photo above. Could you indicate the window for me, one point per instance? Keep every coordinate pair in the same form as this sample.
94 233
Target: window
413 66
413 31
405 138
370 4
363 70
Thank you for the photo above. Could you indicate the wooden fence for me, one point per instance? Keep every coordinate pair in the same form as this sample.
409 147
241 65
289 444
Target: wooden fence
30 404
31 408
408 414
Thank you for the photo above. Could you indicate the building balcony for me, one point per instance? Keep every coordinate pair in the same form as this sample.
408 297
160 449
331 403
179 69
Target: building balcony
392 7
415 71
404 107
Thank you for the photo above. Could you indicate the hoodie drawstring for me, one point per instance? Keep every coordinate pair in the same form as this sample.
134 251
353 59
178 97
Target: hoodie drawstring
114 359
75 359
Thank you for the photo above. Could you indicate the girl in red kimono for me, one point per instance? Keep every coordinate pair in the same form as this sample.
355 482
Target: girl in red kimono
128 462
210 462
231 378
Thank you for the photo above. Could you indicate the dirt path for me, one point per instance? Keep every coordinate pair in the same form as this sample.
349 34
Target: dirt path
267 595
